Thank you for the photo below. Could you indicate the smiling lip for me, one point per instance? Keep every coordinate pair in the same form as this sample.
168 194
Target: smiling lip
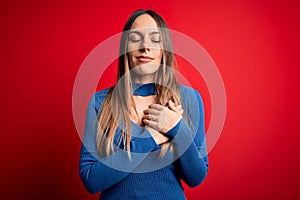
144 59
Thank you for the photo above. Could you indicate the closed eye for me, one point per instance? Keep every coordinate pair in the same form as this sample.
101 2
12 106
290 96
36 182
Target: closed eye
134 40
135 36
155 37
155 40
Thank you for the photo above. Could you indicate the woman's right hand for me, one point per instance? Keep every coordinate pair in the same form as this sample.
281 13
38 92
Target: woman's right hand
162 118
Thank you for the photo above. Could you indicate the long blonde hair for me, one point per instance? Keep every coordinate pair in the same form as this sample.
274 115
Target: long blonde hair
117 106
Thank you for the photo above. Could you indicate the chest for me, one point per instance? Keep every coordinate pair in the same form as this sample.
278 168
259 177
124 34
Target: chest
142 103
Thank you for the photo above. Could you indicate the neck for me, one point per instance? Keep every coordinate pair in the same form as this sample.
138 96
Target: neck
143 79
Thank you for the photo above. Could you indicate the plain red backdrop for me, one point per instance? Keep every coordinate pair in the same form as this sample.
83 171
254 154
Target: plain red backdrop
255 45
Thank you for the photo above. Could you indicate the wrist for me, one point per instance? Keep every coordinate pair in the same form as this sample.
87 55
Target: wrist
173 131
171 126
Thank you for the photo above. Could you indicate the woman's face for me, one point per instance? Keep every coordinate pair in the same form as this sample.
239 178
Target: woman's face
144 46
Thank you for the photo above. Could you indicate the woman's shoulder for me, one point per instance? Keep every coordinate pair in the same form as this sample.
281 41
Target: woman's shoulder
98 98
101 93
189 94
187 90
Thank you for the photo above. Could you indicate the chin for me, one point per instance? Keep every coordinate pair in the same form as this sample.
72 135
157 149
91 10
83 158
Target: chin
146 69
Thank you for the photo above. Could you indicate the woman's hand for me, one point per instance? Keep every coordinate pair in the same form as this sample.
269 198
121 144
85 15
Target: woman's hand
162 118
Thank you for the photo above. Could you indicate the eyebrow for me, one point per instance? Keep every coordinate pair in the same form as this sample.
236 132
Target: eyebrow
151 33
154 32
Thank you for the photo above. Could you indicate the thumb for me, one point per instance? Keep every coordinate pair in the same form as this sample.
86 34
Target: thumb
171 105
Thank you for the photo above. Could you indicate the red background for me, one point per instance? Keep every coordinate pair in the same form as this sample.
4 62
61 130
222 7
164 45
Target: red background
255 45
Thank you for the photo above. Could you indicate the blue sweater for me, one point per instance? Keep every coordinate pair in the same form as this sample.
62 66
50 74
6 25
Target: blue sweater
145 175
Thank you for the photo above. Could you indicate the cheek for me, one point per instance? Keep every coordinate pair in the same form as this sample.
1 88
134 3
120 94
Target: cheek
133 47
130 59
158 56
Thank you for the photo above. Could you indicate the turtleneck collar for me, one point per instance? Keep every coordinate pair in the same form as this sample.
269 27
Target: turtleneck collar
146 89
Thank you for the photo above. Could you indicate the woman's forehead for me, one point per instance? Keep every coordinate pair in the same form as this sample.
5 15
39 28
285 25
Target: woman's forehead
144 22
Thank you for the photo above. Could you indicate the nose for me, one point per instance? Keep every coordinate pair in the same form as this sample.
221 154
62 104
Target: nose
145 45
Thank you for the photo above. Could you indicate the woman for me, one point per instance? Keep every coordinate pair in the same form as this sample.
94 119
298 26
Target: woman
145 134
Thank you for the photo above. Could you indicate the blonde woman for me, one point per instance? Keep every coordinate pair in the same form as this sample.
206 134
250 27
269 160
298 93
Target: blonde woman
146 134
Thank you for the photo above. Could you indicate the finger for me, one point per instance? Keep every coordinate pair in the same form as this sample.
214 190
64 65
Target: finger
149 123
171 105
156 107
151 118
151 111
179 108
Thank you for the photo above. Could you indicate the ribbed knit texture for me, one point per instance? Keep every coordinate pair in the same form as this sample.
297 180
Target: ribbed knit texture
123 180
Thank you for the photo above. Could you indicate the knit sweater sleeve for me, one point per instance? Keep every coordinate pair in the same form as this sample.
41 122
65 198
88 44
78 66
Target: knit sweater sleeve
98 173
189 140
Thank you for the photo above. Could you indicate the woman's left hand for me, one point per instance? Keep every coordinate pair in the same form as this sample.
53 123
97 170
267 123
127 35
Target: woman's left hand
162 118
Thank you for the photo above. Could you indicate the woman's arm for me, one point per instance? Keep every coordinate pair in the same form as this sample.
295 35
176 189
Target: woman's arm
95 175
98 173
190 143
188 140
